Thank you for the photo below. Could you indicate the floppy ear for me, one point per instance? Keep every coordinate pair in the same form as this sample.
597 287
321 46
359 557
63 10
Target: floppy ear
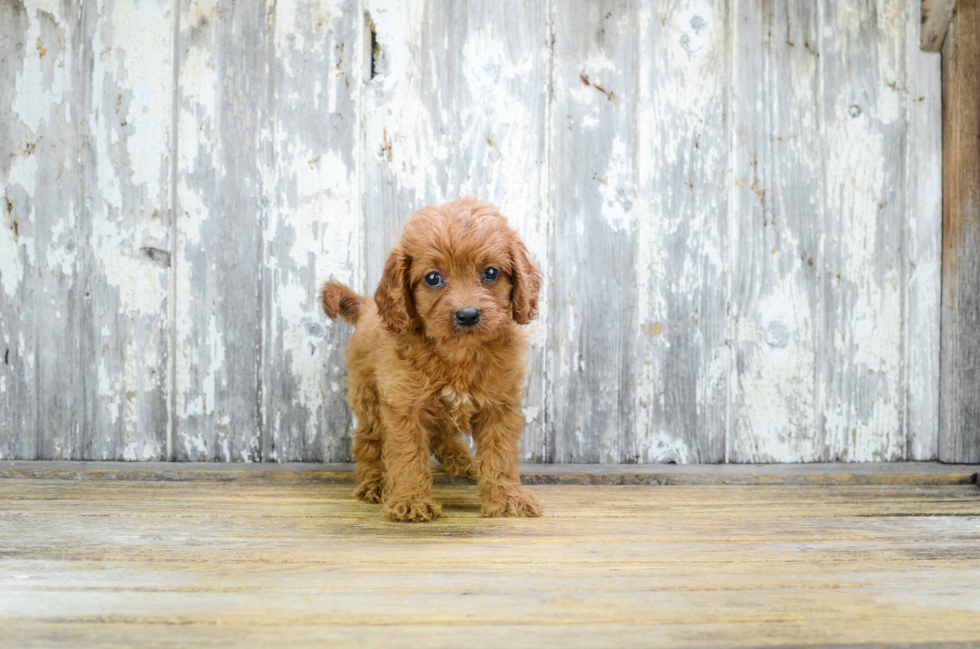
527 283
394 295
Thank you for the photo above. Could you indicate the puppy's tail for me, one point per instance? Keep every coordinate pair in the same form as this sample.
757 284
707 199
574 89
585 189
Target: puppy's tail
338 300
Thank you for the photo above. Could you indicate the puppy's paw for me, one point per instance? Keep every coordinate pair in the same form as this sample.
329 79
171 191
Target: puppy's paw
515 503
414 510
370 491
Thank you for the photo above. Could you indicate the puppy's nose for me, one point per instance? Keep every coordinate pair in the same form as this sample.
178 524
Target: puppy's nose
467 316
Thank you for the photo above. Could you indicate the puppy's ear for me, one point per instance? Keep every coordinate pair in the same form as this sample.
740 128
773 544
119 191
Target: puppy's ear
527 284
394 295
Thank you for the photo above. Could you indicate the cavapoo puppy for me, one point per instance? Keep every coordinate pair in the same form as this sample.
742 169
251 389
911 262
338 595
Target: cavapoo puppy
439 352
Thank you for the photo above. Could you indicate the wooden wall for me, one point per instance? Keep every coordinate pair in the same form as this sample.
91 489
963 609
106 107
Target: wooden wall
736 205
959 422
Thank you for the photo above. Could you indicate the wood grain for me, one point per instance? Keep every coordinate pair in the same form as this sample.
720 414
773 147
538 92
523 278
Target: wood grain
313 230
862 265
777 209
673 166
123 269
682 363
37 261
223 151
897 473
959 438
592 284
924 243
118 563
936 15
84 142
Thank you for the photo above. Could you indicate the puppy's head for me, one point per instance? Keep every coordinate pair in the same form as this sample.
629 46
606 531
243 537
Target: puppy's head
459 274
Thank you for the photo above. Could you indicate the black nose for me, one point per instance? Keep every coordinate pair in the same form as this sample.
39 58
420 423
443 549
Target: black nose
467 316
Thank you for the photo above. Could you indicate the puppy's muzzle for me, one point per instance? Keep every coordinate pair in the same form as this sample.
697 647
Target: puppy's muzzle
468 316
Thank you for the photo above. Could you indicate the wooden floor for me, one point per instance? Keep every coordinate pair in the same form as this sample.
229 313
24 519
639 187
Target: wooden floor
112 562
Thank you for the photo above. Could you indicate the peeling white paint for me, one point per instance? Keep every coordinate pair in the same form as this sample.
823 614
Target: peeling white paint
109 393
531 414
480 109
142 49
683 257
617 188
11 266
37 90
924 240
23 174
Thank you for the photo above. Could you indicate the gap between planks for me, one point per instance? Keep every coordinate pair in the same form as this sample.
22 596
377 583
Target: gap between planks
893 473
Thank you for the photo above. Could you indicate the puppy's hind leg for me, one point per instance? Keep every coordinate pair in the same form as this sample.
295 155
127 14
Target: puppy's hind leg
366 447
450 448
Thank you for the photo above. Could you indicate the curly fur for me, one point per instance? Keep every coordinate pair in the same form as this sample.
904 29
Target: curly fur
417 382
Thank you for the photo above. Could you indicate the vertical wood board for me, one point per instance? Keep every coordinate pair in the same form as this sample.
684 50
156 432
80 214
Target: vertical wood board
959 433
124 121
924 204
776 212
593 284
85 262
862 393
313 229
679 335
38 249
223 150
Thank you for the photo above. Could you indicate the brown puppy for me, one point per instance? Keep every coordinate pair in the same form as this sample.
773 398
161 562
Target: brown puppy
439 352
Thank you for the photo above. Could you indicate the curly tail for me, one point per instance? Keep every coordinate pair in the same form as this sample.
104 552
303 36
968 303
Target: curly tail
338 300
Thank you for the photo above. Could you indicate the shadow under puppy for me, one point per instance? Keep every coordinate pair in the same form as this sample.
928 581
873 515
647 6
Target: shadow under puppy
438 352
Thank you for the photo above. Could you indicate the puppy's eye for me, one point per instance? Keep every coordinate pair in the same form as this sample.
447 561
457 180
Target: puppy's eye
490 275
433 280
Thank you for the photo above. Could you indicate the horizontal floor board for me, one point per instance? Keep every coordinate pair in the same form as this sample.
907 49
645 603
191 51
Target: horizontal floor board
116 562
885 473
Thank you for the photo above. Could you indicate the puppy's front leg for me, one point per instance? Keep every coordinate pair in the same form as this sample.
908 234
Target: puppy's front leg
496 431
408 488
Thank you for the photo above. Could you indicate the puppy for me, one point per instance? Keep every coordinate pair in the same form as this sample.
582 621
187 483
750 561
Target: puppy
439 352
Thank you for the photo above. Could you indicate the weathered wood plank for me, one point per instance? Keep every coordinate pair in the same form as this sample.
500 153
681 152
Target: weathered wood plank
42 635
898 473
313 229
223 149
125 90
936 15
85 180
592 361
476 99
37 262
610 566
777 209
862 58
959 432
678 350
455 104
326 506
924 235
